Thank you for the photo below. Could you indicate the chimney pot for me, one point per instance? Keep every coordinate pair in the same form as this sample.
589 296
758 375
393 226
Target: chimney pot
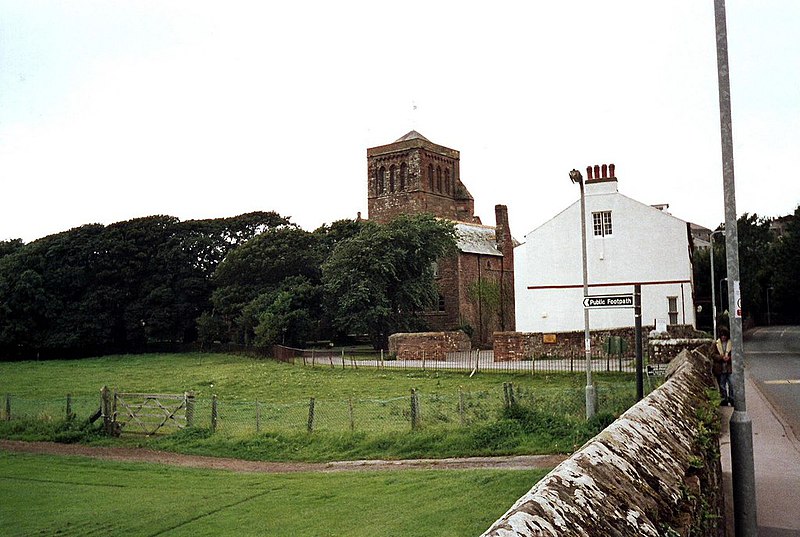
596 171
605 171
611 171
588 172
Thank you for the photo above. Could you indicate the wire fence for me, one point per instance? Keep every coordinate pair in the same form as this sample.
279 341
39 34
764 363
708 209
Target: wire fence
401 413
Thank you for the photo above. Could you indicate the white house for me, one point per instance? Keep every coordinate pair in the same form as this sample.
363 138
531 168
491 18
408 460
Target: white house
628 242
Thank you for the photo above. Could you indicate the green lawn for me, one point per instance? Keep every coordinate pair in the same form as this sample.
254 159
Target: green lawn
74 496
263 408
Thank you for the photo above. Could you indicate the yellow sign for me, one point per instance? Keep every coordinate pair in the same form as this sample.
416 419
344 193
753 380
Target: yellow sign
548 338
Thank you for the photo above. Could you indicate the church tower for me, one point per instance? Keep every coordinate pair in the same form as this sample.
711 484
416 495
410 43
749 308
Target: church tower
476 284
413 175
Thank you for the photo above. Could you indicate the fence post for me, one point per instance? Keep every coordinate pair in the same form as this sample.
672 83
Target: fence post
258 417
461 405
414 410
423 360
70 415
382 364
352 417
313 358
311 415
105 409
342 358
188 398
511 400
8 407
214 415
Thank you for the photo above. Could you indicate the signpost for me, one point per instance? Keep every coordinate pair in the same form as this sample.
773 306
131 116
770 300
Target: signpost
624 301
608 301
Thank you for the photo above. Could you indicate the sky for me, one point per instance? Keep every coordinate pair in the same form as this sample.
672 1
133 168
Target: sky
112 110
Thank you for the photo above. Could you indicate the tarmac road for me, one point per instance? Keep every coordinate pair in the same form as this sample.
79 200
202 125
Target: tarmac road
772 355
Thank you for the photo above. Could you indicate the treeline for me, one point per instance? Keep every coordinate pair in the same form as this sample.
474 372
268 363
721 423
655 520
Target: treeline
769 268
253 279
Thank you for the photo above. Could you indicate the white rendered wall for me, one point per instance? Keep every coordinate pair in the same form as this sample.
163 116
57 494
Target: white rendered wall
647 246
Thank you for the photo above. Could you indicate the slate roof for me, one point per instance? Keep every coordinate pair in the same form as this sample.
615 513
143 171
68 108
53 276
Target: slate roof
412 135
476 239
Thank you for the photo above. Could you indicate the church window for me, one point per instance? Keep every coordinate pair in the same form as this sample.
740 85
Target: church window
382 180
430 175
439 179
392 173
403 175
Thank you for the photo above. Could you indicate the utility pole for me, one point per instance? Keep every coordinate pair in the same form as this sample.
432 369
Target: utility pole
741 426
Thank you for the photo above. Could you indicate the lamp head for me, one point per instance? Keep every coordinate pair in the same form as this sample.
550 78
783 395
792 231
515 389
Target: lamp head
576 176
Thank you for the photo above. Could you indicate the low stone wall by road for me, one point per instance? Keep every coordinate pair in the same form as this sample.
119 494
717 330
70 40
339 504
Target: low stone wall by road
427 345
509 346
653 472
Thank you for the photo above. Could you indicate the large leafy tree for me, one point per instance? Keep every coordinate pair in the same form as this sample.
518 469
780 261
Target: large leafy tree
380 280
97 288
785 291
245 282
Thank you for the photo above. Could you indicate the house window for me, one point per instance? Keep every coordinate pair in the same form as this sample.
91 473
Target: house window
441 303
672 307
602 223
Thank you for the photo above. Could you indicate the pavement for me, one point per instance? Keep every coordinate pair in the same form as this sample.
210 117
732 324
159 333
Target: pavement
776 458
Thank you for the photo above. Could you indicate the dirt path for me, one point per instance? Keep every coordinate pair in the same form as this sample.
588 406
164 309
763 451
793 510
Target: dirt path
521 462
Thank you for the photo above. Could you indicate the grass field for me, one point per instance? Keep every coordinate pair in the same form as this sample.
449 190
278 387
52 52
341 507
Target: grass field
360 413
73 496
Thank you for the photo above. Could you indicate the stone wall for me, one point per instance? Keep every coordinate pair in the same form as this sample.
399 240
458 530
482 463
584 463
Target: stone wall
524 345
664 350
427 345
655 471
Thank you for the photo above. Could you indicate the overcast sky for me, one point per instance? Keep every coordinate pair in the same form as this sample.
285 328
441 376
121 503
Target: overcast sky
113 110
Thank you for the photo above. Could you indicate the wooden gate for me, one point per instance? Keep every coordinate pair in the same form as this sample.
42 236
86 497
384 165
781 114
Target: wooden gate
146 413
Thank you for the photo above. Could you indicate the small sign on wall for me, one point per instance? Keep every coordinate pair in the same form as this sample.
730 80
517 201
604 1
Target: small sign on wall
549 338
661 325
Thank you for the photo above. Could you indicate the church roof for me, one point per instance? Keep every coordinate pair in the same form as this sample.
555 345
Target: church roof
476 239
412 135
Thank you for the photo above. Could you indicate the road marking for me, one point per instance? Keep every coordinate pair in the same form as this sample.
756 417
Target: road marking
783 381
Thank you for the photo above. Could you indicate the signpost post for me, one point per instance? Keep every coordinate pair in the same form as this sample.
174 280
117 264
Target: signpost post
624 301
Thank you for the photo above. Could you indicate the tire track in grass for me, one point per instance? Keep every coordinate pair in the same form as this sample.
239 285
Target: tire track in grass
214 511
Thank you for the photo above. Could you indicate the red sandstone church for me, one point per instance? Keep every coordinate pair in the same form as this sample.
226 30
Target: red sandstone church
476 286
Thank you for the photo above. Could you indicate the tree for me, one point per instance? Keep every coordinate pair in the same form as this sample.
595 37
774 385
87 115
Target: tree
380 280
785 292
755 247
246 280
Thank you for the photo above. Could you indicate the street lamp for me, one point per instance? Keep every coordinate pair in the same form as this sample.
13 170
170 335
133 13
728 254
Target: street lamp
576 177
713 298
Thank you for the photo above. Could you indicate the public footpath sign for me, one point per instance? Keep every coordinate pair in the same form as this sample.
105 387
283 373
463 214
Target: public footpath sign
608 301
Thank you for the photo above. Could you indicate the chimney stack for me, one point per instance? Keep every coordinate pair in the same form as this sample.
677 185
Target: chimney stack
598 173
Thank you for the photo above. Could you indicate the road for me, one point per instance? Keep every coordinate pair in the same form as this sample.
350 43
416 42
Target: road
772 357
